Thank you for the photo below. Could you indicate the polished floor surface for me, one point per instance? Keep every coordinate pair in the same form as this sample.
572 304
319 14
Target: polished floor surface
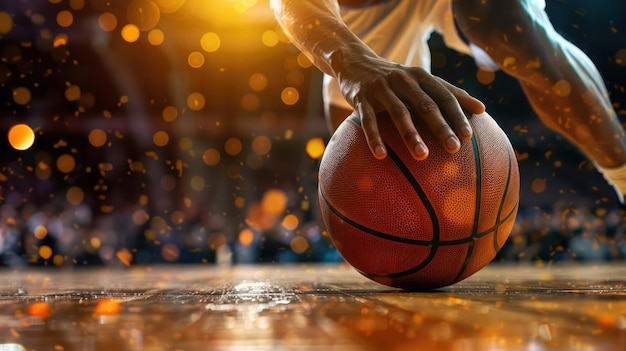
310 307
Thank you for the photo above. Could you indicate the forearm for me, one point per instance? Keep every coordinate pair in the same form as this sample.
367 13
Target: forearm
316 28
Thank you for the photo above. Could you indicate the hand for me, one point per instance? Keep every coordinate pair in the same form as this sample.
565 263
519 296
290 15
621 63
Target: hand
374 84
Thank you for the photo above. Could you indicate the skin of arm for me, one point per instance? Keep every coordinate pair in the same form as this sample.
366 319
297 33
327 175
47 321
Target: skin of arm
560 81
373 84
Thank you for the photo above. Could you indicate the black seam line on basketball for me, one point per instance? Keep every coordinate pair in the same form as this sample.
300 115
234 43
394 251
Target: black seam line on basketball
434 243
479 190
497 247
401 240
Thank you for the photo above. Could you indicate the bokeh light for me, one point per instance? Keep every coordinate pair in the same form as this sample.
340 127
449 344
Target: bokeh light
211 157
160 138
315 147
65 18
290 96
156 37
195 59
210 42
144 14
269 38
169 114
620 57
196 101
107 21
233 146
290 222
274 202
246 237
261 145
258 82
130 33
21 137
97 137
6 22
21 95
66 163
75 195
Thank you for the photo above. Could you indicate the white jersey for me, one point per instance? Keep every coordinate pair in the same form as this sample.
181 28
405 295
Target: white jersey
399 30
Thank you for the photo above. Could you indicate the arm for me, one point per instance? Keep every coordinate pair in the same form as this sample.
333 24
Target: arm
562 84
372 84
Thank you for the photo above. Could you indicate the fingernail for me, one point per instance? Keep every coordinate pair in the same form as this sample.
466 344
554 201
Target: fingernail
453 143
379 151
421 151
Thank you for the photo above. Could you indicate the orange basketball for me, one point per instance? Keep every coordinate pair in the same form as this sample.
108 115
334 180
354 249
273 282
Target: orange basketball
419 225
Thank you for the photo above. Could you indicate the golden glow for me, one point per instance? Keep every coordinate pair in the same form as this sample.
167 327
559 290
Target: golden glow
21 95
196 101
140 217
211 157
95 242
160 138
298 244
170 113
6 22
156 37
290 222
65 18
170 252
274 202
169 6
485 76
210 42
107 21
539 185
246 237
620 57
303 61
197 183
75 195
72 93
145 14
195 59
261 145
66 163
250 102
290 96
97 137
258 82
315 148
21 137
40 309
77 4
40 232
45 252
107 307
269 38
240 201
125 257
233 146
130 33
60 40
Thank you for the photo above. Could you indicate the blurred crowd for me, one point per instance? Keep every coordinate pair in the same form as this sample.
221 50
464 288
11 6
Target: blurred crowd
71 236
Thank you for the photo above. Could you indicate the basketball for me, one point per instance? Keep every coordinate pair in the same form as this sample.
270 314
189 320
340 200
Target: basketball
419 225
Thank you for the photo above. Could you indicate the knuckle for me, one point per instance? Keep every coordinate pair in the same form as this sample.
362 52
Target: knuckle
410 136
427 106
397 110
443 130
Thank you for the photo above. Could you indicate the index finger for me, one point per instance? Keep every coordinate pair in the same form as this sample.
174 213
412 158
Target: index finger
370 129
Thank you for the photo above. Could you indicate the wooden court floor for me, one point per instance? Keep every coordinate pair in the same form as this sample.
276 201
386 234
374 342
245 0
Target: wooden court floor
310 307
